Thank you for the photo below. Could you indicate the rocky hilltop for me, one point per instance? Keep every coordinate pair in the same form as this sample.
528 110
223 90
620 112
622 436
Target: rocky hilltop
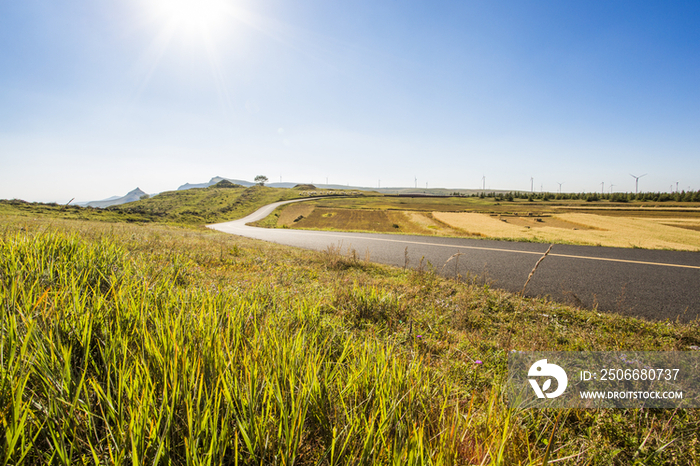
131 196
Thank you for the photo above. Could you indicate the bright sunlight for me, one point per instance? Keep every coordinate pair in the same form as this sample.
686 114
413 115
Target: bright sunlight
202 16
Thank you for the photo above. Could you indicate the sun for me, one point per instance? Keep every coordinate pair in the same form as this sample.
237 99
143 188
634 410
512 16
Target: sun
194 16
189 31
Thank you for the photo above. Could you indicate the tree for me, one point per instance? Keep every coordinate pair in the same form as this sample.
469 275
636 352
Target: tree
261 180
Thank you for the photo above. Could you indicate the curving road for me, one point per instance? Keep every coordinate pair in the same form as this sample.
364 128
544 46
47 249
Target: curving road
652 284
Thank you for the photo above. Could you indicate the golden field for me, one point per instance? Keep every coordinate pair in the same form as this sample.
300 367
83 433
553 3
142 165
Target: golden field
583 228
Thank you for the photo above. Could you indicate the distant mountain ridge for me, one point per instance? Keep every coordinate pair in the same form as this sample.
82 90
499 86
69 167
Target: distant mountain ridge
395 190
248 184
131 196
213 181
137 193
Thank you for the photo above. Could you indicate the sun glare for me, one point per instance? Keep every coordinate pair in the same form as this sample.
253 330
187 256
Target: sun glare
191 15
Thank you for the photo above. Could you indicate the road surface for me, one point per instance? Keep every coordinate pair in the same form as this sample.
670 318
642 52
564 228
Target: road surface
651 284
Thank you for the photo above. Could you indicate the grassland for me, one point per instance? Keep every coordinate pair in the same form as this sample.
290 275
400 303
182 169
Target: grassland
641 225
188 207
139 343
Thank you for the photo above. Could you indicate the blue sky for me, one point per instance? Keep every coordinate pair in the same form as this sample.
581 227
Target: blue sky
97 98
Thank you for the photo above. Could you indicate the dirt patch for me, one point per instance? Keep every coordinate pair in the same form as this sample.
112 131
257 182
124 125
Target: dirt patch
381 221
348 220
290 215
545 221
426 224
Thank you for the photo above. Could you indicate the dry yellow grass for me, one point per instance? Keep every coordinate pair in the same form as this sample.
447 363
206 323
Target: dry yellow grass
626 232
293 212
429 225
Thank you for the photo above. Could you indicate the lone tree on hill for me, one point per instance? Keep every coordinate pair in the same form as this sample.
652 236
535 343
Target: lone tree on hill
261 180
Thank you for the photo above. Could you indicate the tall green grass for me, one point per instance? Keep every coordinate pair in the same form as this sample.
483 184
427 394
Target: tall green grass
125 344
108 359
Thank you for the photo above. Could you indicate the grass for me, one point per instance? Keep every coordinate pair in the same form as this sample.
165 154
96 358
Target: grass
636 224
143 343
188 207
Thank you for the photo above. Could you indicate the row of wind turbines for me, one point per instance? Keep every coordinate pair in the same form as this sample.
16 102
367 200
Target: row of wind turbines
532 184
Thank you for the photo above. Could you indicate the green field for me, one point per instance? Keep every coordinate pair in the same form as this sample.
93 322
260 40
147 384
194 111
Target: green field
139 342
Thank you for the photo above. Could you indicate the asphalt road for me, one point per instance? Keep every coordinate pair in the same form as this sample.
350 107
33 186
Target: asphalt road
651 284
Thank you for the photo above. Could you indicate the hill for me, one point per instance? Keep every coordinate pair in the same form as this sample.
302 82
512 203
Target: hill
217 203
389 190
196 206
214 181
131 196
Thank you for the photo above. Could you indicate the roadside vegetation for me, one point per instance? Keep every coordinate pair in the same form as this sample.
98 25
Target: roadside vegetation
140 343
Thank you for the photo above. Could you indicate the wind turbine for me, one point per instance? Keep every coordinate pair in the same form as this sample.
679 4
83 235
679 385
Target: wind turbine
636 182
415 180
559 186
532 185
483 179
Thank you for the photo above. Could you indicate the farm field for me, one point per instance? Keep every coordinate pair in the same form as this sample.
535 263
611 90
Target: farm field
139 342
583 228
639 225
